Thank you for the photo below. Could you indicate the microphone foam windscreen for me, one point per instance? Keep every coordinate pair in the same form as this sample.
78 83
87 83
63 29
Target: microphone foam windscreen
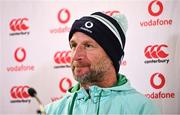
32 92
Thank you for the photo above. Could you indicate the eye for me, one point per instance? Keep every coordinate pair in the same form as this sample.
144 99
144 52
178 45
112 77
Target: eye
88 46
73 45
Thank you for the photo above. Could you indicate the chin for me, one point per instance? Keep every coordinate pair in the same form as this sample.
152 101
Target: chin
81 75
81 78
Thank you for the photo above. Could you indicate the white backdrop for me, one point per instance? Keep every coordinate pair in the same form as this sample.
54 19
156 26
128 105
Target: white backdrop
34 50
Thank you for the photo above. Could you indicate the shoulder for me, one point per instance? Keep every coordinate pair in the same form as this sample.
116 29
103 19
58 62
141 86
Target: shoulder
141 103
57 106
135 101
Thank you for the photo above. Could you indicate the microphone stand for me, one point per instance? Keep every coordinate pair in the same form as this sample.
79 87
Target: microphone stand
32 92
41 106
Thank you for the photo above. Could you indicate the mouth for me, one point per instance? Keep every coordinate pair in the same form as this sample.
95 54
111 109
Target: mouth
79 65
80 68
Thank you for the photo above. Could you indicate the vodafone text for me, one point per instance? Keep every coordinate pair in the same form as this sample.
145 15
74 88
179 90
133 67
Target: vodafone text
157 22
160 95
20 68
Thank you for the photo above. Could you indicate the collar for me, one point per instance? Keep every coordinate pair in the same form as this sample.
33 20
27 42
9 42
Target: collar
121 80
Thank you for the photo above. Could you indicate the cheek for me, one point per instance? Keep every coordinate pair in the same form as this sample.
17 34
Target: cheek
96 53
71 56
94 58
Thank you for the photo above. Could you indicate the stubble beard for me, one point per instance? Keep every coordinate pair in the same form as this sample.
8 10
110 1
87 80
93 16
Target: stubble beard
90 77
96 73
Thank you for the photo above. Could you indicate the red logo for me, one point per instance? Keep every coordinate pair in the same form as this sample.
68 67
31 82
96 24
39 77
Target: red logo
64 84
110 13
160 78
155 8
19 92
63 57
155 51
64 15
20 54
18 24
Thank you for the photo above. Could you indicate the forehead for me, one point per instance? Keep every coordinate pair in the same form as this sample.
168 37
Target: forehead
79 37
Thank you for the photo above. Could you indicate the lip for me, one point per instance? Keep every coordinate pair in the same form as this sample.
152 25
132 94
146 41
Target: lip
80 70
80 65
77 67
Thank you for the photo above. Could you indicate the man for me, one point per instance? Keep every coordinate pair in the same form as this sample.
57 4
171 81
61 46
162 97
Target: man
97 43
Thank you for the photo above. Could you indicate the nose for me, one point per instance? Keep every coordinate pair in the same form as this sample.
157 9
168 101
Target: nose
78 54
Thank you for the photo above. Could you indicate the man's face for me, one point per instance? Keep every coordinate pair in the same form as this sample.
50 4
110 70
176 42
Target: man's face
89 62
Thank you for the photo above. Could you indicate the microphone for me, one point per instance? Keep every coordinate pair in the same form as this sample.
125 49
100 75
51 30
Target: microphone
32 92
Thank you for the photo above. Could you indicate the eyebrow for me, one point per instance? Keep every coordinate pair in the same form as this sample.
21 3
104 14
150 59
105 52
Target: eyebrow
84 42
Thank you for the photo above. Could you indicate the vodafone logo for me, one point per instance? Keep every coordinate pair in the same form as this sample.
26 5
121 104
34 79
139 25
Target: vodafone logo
157 77
158 81
20 54
155 51
64 84
155 8
110 13
89 24
62 57
20 92
63 15
18 24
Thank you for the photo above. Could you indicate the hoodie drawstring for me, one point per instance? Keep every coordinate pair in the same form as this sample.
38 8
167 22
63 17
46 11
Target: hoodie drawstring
72 104
99 100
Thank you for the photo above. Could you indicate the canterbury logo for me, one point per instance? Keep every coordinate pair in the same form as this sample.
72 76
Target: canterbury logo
20 92
155 51
18 24
62 57
110 13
